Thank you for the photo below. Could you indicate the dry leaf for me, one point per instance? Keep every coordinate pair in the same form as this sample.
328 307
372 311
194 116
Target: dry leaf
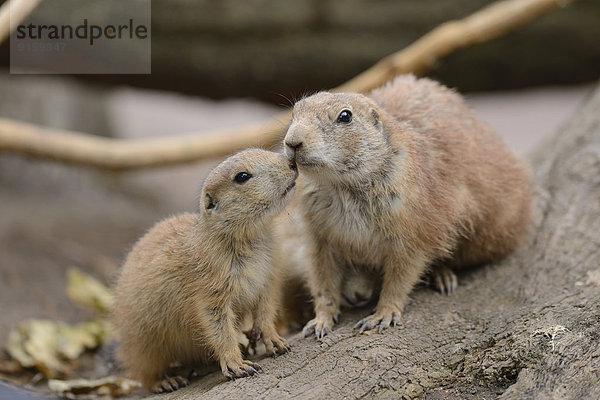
110 386
49 346
88 292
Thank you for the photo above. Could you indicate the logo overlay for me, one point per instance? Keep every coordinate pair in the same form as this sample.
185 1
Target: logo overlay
83 37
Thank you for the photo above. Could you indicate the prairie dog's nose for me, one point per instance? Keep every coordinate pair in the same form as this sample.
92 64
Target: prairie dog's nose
294 140
293 143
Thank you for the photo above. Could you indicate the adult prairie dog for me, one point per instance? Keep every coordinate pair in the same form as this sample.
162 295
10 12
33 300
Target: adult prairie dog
187 283
400 180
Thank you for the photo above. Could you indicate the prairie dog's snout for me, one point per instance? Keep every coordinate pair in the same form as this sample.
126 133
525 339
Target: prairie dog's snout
293 141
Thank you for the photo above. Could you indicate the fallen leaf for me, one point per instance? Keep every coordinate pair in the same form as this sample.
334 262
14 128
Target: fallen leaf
49 346
88 292
74 340
110 386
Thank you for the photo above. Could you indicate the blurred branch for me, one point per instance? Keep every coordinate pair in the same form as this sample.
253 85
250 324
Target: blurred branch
490 22
120 154
18 10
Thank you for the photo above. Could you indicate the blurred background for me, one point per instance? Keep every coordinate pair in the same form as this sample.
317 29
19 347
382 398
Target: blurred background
225 63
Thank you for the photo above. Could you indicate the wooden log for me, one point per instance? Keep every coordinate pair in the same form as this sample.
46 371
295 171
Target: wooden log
526 327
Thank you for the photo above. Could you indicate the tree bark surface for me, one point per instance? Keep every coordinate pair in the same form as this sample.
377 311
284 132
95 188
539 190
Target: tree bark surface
526 327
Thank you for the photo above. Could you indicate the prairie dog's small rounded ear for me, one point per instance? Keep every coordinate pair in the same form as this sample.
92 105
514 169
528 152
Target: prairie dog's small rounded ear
209 202
376 119
375 116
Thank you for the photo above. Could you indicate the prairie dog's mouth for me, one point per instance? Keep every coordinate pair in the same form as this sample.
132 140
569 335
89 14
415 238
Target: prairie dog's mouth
306 161
289 188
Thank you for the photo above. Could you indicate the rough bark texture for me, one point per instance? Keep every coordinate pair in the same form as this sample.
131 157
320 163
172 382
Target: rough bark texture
527 327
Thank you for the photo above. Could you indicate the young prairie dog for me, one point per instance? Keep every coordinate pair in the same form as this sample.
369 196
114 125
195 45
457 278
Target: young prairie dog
400 180
187 284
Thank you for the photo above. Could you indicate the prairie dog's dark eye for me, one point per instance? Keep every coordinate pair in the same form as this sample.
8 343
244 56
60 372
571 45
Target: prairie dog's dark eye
242 177
345 117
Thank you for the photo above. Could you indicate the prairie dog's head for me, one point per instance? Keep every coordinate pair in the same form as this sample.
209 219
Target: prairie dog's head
337 136
248 187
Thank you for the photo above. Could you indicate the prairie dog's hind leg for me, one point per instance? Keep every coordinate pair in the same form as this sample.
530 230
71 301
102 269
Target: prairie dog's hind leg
443 279
170 384
148 367
265 316
400 276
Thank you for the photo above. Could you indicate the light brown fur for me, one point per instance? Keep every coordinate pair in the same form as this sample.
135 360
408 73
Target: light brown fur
292 256
414 181
187 284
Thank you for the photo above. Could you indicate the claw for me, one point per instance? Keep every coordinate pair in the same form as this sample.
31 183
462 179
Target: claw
321 329
381 321
241 369
309 328
365 324
228 374
444 280
454 283
283 348
275 344
321 333
170 384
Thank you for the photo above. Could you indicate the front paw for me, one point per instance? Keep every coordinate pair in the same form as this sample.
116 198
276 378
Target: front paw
383 318
241 368
275 344
321 326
